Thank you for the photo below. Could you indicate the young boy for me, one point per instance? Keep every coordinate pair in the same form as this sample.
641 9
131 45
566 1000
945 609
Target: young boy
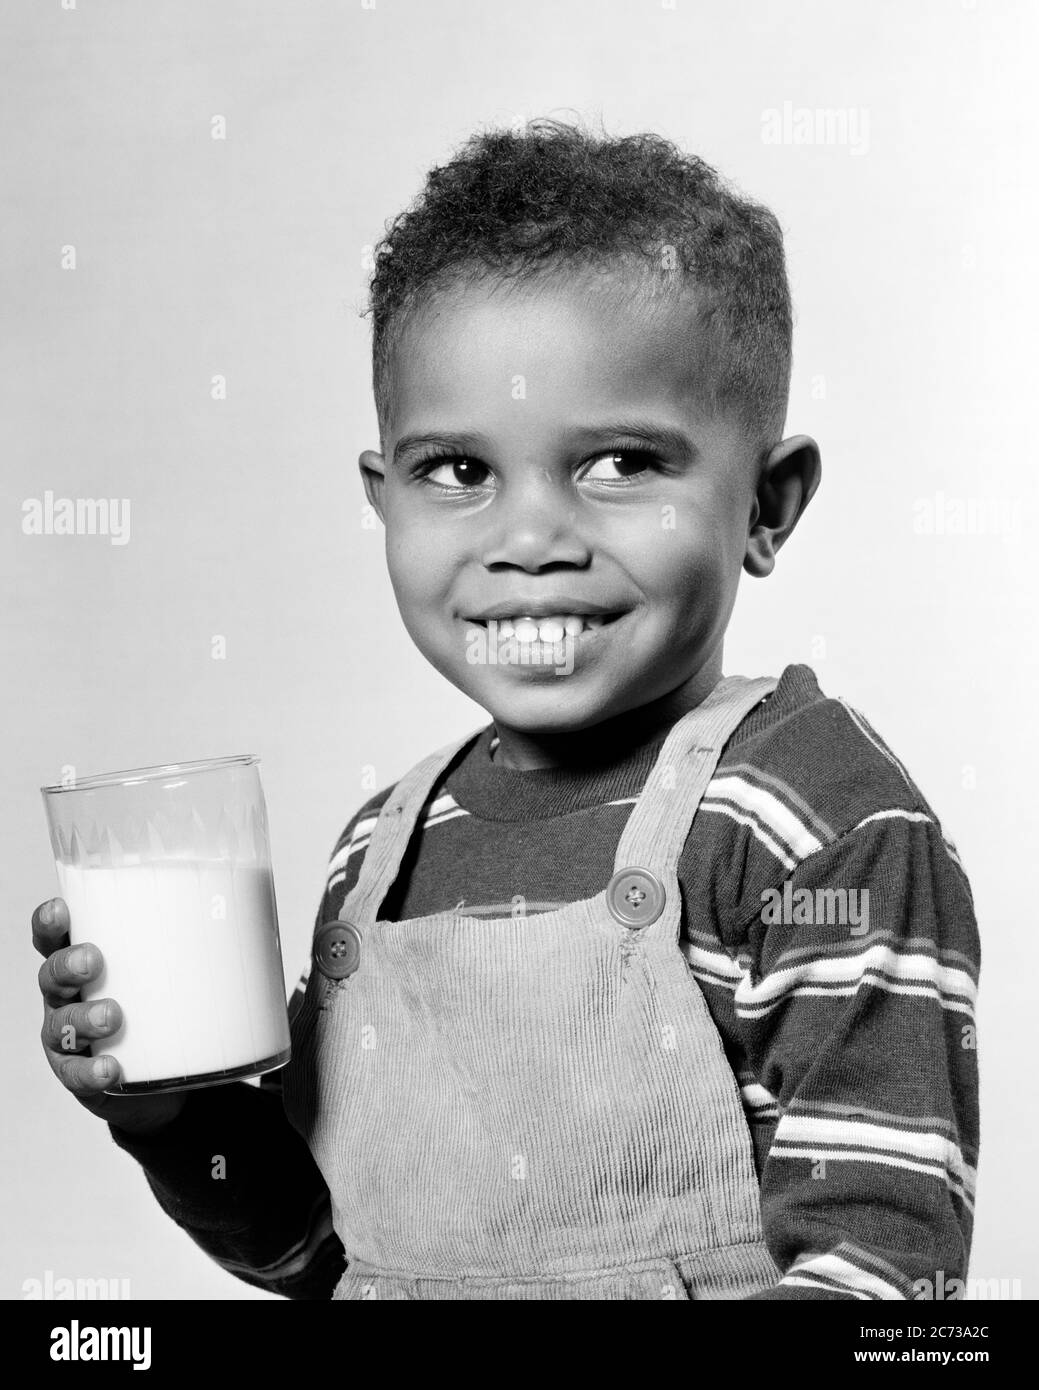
661 986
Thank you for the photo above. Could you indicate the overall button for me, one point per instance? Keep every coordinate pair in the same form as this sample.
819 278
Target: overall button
635 897
337 949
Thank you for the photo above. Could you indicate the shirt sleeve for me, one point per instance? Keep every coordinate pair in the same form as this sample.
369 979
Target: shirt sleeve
233 1173
856 1010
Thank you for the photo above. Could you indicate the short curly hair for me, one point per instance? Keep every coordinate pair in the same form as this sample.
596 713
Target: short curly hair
552 196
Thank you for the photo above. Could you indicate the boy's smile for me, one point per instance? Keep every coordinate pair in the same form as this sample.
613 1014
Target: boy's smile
554 479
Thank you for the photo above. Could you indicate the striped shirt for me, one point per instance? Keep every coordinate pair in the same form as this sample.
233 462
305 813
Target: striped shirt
831 928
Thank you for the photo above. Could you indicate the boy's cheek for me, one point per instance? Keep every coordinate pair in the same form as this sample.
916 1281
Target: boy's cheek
680 576
416 567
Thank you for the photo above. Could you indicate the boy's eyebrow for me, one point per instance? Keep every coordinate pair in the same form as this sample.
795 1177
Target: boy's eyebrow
667 438
664 437
461 441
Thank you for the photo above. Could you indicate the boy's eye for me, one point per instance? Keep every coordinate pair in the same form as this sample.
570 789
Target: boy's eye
458 473
616 465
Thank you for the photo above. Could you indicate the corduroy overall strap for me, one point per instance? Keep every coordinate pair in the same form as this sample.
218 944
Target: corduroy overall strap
658 826
393 830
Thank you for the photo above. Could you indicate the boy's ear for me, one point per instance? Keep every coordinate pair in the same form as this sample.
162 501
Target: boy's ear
786 484
373 474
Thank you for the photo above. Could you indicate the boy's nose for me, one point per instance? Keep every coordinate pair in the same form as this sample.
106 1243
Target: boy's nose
532 531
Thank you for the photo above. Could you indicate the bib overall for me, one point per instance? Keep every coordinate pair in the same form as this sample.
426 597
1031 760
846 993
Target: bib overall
532 1107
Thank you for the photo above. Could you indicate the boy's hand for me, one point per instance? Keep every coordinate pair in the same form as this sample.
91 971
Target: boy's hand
65 971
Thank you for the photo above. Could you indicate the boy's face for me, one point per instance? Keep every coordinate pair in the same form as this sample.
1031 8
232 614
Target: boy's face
547 458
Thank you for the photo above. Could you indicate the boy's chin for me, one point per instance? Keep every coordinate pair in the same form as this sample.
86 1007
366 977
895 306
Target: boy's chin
545 710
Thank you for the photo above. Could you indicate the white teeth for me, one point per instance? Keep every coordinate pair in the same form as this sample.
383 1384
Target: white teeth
526 629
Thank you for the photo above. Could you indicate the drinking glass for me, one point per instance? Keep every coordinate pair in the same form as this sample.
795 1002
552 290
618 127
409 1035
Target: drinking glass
167 870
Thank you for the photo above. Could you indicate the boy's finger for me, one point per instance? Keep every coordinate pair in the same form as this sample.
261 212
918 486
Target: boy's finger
50 925
72 1027
84 1076
64 973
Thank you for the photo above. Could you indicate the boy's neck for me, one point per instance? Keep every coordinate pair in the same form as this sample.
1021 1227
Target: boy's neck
523 751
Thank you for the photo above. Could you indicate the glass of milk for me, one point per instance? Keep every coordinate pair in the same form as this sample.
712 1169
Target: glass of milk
167 870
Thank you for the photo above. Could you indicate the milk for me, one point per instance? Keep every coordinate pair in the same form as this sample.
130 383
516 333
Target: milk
192 957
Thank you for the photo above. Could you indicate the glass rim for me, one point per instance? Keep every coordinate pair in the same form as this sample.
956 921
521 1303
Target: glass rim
150 774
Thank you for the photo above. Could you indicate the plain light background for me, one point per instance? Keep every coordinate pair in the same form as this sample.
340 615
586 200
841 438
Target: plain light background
911 250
